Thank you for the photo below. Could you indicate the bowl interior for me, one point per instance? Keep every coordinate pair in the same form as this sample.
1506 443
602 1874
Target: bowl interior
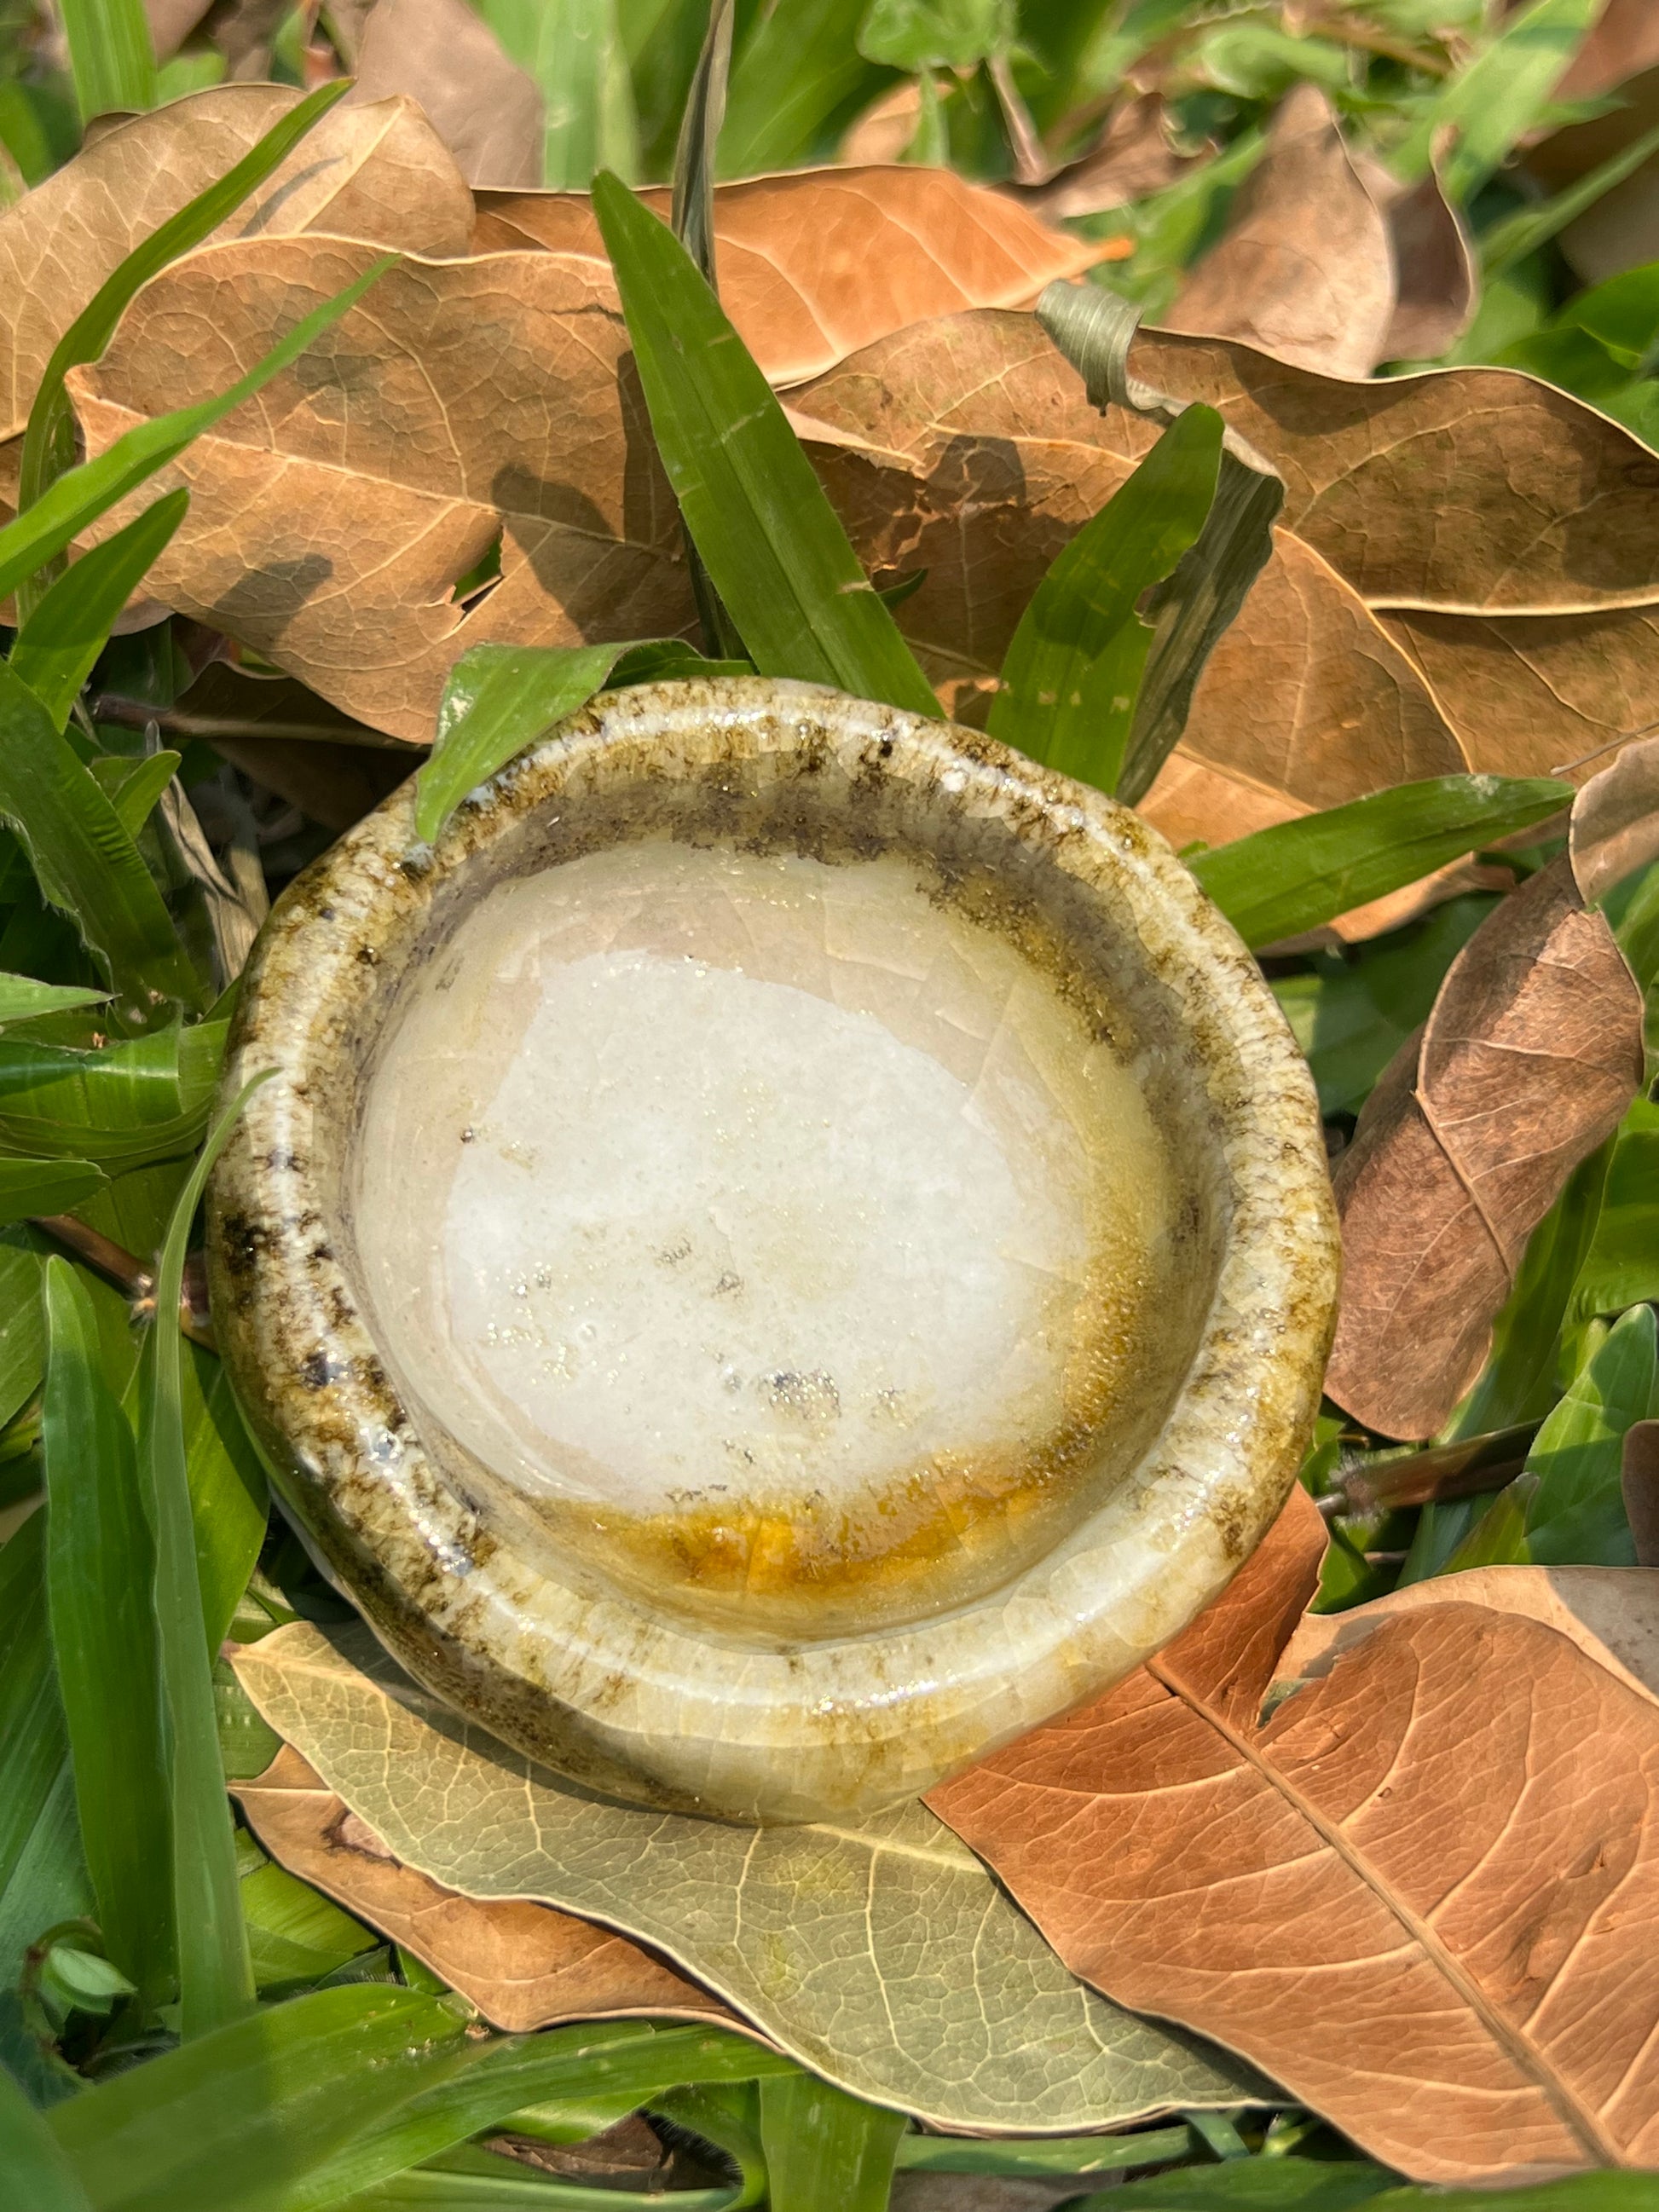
787 1197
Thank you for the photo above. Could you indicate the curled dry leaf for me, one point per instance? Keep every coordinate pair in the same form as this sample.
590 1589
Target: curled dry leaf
523 1965
1614 828
485 108
816 265
1529 1059
376 172
1426 1908
460 402
1305 269
1133 157
1436 276
1554 503
1611 1613
881 1954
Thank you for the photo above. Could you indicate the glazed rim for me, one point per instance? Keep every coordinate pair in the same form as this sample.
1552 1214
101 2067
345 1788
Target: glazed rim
595 1683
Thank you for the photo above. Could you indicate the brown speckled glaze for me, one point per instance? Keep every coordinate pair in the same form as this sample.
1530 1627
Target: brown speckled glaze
638 1701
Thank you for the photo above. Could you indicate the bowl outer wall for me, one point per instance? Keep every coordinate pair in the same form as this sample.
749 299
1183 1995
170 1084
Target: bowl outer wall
598 1688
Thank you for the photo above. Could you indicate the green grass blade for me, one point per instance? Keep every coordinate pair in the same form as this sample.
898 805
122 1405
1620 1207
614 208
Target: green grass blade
573 50
42 1876
769 538
1054 704
49 439
37 1187
73 501
499 699
84 862
1037 2158
99 1581
1256 2184
1620 1267
70 624
1523 233
24 999
306 2104
216 1973
798 77
1496 99
726 2114
825 2151
1282 881
111 55
34 2174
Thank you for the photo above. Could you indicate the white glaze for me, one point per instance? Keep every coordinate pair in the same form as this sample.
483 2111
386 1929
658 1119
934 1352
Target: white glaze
693 1179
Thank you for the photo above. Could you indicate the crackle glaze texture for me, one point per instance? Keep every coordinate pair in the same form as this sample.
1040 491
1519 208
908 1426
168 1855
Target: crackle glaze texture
769 1657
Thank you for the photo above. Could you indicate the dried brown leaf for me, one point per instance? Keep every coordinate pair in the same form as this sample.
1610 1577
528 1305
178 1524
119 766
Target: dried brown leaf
1529 695
1529 1059
1305 270
484 107
1133 157
1471 491
1423 1897
375 172
170 22
1614 828
816 264
1611 1613
523 1965
331 517
1623 40
1436 276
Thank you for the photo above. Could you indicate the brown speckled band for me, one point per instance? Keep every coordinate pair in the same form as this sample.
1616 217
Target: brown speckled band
636 1700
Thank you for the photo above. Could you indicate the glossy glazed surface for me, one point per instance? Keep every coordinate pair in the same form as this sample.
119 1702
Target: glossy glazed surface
1026 1339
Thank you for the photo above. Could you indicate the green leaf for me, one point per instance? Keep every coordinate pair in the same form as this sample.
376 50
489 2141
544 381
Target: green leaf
101 1563
304 2105
1193 605
296 1935
84 862
1053 703
34 2174
573 50
1279 882
133 787
216 1975
935 34
726 2114
111 55
74 501
137 1100
24 999
49 439
1254 2185
71 626
913 1981
769 538
798 77
43 1875
1354 1010
1621 1266
1029 2158
1576 1516
1496 99
1579 2192
825 2151
481 2181
1498 1538
43 1187
1515 236
499 699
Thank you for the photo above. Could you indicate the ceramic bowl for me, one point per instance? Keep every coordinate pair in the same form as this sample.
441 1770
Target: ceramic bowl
788 1248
